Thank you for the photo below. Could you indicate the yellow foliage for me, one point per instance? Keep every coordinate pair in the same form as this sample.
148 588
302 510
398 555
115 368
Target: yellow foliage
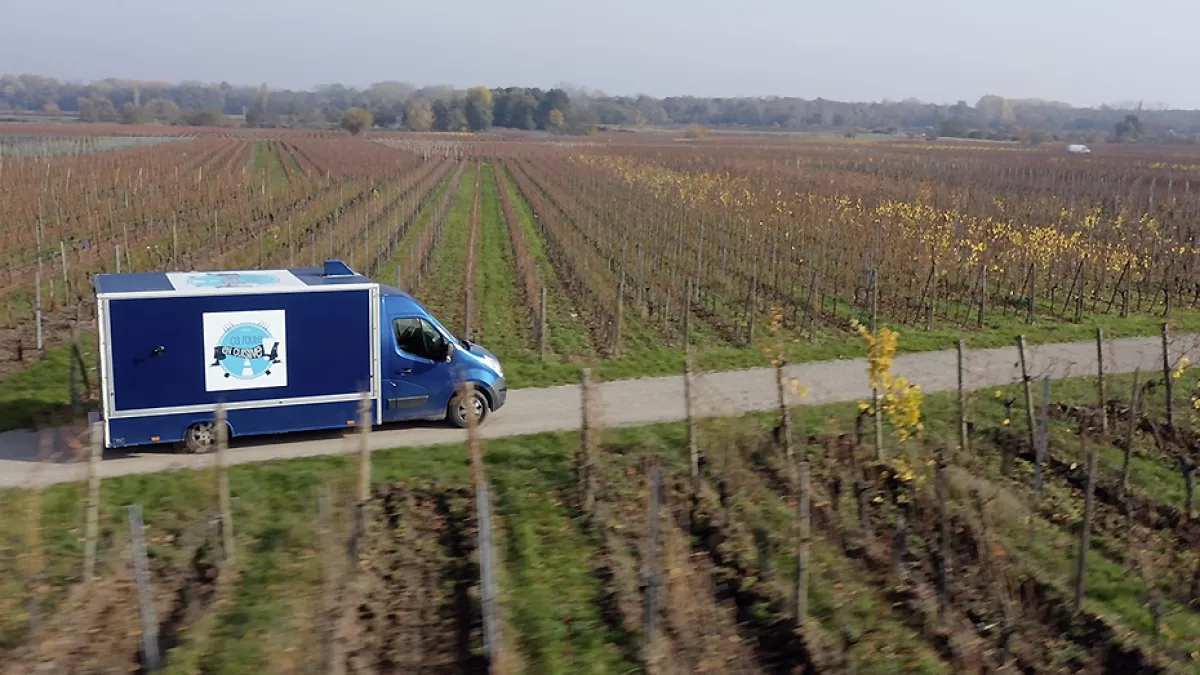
1180 368
798 388
899 400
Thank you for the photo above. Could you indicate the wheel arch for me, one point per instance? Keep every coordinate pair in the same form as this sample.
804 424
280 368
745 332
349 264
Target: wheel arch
483 387
200 420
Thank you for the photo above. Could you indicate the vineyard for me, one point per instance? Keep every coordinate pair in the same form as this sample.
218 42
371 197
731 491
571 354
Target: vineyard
614 253
978 534
781 543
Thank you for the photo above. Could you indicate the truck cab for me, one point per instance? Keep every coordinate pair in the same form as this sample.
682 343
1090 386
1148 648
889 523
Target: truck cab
421 362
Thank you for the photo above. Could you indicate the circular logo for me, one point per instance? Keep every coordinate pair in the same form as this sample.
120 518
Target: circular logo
233 280
246 351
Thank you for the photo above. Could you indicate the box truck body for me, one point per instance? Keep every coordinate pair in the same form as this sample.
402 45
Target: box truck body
283 350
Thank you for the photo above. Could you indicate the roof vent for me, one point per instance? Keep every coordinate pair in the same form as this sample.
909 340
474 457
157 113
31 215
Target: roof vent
337 268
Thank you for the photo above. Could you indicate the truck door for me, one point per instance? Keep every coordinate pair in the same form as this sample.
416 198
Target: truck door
413 377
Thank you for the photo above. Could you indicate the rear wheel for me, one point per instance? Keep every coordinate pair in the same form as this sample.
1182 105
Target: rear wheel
201 437
457 413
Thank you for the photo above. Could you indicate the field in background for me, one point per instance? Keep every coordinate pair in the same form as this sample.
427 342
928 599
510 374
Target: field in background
634 240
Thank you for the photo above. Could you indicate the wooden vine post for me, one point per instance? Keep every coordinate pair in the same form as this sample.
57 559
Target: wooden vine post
803 534
619 315
224 502
962 401
92 523
689 396
1028 384
1167 379
1134 401
1085 531
542 309
875 399
587 483
1100 382
650 631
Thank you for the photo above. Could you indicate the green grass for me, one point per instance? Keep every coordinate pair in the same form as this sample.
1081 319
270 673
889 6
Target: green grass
504 320
267 162
441 291
41 393
555 597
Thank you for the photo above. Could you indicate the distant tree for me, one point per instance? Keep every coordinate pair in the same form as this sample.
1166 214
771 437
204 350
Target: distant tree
1032 136
356 120
100 110
134 114
554 99
450 115
479 108
658 116
387 100
554 119
254 116
458 117
419 116
1128 129
164 110
441 115
696 131
387 116
88 111
955 127
211 117
520 109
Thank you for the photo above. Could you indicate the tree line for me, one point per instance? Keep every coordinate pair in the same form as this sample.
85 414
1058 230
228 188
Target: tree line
442 108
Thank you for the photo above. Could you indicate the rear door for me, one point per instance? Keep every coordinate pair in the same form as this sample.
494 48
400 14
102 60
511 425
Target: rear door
413 372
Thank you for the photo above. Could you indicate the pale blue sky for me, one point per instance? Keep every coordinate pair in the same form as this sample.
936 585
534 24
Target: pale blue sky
1085 52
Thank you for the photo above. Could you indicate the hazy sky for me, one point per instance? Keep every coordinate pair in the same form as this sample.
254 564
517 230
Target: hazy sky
1085 52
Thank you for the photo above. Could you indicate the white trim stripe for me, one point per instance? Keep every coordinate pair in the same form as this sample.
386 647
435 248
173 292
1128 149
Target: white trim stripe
237 405
323 288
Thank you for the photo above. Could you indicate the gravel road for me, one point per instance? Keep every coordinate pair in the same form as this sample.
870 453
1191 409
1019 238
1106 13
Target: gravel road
623 403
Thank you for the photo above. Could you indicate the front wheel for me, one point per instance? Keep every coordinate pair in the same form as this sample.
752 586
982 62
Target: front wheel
457 413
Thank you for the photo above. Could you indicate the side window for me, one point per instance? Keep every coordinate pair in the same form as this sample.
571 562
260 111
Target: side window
434 342
419 338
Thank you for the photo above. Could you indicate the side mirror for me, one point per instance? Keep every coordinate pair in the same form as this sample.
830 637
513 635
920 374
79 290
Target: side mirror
449 352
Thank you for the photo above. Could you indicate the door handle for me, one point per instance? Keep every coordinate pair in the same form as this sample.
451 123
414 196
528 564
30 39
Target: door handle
404 371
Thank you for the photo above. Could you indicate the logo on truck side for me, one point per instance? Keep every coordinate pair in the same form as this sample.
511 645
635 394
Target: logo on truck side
219 283
232 280
244 350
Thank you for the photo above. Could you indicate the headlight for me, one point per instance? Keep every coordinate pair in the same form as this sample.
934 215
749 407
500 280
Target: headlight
494 363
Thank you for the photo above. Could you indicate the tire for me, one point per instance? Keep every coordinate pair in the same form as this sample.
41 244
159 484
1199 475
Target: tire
200 438
456 413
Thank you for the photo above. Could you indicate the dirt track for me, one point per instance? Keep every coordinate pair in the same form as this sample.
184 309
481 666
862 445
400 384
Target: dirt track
628 403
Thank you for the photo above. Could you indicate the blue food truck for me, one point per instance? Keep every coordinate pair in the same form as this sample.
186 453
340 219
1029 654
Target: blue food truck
283 350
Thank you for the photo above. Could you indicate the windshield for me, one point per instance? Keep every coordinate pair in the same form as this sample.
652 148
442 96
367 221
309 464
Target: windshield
446 331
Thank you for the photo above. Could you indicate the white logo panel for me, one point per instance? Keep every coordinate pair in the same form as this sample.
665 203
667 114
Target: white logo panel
220 282
245 350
